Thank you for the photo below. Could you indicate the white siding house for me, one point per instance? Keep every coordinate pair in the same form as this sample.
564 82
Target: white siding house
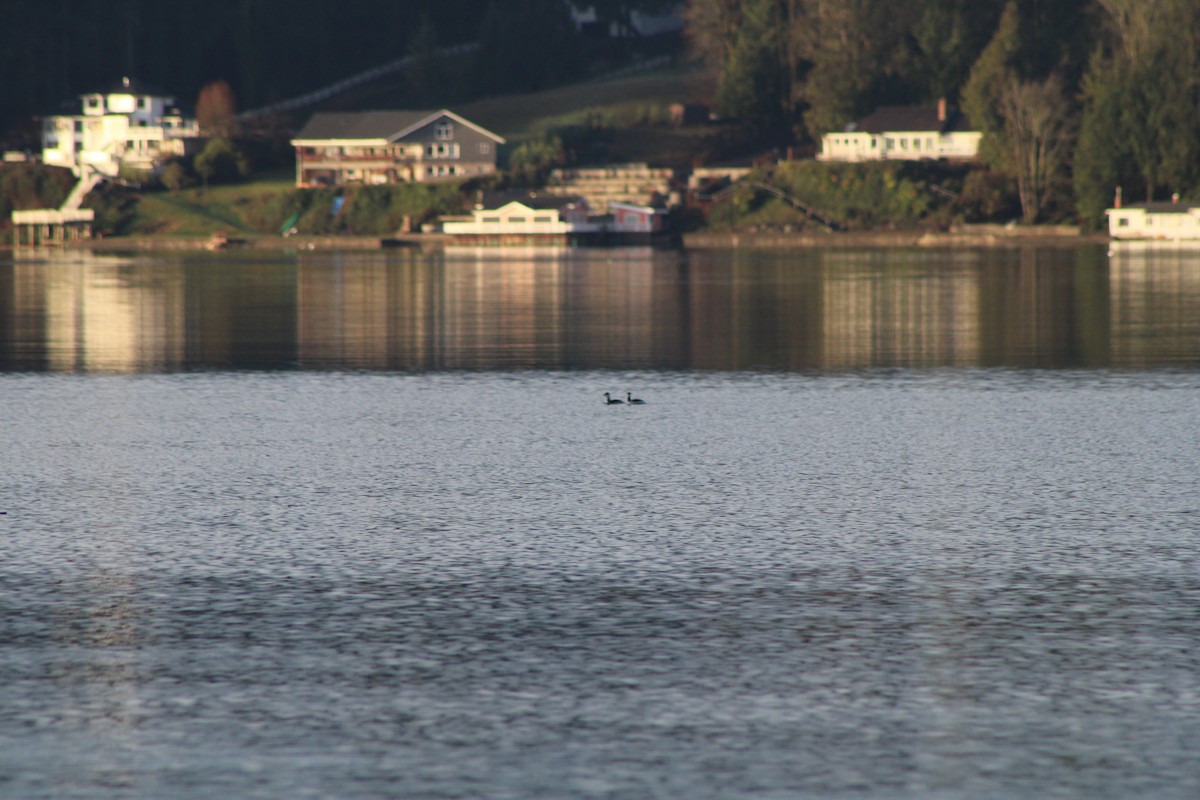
1166 221
904 133
124 127
386 147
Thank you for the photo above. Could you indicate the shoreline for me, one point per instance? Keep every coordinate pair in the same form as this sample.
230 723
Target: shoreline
969 236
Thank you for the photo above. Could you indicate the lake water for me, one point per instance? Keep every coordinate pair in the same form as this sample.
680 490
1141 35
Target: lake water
892 524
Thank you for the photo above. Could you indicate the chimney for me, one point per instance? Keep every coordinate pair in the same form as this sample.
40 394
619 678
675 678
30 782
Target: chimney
941 109
1117 199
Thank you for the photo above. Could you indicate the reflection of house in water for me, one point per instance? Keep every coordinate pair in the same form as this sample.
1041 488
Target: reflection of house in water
916 317
412 315
358 313
481 313
606 309
1153 297
97 316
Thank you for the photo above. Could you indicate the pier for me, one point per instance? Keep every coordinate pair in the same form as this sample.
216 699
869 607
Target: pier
67 224
46 227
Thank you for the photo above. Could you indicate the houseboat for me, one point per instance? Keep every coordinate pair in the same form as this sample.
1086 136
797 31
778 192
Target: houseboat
1173 221
537 219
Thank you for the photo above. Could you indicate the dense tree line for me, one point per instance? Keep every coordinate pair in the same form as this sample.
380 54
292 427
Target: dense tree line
1075 97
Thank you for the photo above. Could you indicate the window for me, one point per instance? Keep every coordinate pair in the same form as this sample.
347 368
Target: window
1123 222
485 148
430 151
543 219
516 220
443 131
492 219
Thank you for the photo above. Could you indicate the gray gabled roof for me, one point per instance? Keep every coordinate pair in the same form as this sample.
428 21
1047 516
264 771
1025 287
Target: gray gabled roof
389 125
534 200
1163 207
889 119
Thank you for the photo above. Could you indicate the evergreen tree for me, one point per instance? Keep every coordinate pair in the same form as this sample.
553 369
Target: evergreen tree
1141 104
994 70
948 37
1103 161
847 52
750 86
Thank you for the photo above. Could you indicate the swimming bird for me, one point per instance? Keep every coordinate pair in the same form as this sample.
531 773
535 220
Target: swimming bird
609 400
633 401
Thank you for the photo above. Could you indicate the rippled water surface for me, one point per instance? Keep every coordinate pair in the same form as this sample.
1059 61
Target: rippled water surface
882 582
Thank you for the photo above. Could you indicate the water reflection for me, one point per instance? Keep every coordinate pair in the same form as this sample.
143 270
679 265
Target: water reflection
807 310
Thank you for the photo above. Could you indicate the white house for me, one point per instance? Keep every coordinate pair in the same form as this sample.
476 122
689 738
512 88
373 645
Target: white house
905 133
1168 221
124 127
640 22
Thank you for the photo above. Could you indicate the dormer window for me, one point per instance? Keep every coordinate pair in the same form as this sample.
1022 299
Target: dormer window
443 131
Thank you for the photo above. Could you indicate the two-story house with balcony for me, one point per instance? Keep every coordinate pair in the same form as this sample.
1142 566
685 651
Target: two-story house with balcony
383 147
125 127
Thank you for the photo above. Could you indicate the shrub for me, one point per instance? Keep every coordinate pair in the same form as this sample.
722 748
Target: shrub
32 186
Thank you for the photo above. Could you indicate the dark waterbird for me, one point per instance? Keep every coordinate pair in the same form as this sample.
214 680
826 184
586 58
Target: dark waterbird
609 400
634 401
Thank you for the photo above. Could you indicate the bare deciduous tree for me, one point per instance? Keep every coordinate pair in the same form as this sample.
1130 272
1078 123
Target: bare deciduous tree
1039 132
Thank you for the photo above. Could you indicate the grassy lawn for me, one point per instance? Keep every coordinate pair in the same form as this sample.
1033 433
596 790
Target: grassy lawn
629 99
200 212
